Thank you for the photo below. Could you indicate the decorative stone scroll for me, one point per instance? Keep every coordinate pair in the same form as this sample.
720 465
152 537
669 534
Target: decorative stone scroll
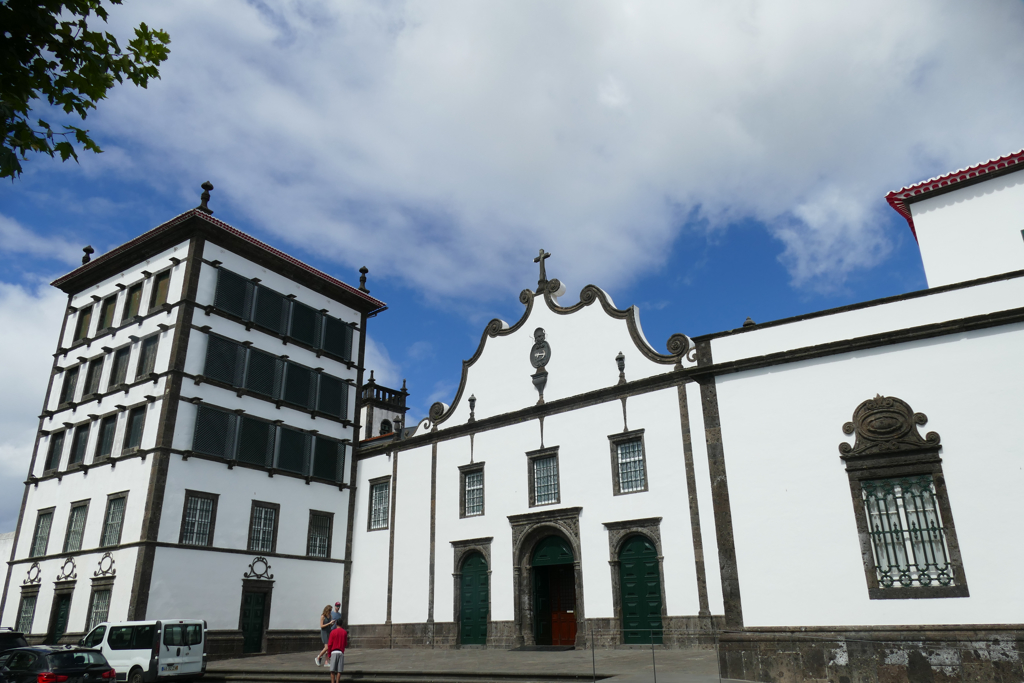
259 568
886 425
33 575
106 566
67 570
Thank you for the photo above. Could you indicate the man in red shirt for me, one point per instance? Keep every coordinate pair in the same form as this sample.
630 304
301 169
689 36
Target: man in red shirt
336 651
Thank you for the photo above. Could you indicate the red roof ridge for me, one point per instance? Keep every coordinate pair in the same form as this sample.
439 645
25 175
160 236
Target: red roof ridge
901 198
196 213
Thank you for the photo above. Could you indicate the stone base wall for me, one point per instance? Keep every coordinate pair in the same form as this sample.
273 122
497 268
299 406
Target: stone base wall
982 654
227 644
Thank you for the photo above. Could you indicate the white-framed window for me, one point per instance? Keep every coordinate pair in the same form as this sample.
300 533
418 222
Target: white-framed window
543 477
472 493
113 520
380 498
629 462
263 527
198 518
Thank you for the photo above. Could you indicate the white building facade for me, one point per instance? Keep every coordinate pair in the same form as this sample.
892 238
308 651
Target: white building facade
194 453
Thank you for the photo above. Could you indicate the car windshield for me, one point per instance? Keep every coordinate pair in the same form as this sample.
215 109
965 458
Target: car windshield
74 660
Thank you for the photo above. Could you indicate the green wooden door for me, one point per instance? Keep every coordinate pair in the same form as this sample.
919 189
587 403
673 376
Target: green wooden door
62 605
640 580
252 621
473 594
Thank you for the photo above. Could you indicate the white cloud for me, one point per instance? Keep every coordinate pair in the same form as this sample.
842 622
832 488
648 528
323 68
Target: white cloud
445 142
377 359
15 239
36 315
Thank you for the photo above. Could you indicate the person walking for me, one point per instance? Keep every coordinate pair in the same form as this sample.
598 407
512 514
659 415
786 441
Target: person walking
336 645
326 624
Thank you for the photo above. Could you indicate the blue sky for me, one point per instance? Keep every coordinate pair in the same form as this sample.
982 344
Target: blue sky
705 162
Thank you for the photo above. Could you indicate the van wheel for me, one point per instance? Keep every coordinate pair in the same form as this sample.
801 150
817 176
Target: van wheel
135 675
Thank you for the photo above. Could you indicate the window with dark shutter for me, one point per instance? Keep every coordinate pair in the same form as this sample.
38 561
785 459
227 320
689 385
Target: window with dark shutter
133 431
298 385
224 360
255 441
337 338
132 302
325 459
92 377
67 391
234 294
263 374
82 328
119 370
333 393
291 454
270 309
107 312
161 283
147 358
215 431
55 452
105 441
78 443
305 324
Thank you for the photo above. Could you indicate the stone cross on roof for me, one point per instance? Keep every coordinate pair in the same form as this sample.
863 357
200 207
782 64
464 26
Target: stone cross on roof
543 273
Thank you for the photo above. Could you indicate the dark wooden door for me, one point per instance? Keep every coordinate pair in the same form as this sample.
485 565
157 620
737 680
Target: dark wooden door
640 581
59 618
473 596
252 621
562 594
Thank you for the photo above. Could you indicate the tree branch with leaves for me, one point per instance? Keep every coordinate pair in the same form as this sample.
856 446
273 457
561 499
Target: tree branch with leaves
48 52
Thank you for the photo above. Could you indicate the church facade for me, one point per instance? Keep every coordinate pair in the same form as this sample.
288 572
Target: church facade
826 496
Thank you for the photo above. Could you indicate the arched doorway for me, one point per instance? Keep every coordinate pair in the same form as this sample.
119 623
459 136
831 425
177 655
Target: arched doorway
640 582
473 592
554 592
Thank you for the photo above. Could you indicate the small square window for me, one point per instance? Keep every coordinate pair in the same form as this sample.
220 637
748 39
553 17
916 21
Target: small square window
318 541
629 462
105 441
113 521
79 442
132 302
82 325
107 313
380 498
471 494
26 613
161 283
543 477
198 518
41 537
55 451
147 356
263 527
69 387
76 527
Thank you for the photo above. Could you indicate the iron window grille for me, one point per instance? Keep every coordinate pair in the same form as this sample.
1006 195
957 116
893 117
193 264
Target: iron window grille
119 368
107 309
471 495
263 527
105 440
76 527
41 537
99 607
161 284
92 377
26 613
67 391
55 451
904 521
197 518
132 302
629 462
79 442
272 311
113 520
147 356
543 477
318 541
82 325
380 495
133 429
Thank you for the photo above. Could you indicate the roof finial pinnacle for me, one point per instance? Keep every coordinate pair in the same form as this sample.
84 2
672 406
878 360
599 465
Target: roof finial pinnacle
205 197
362 279
88 253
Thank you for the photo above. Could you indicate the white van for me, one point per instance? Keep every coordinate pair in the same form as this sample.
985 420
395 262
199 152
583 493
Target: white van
148 651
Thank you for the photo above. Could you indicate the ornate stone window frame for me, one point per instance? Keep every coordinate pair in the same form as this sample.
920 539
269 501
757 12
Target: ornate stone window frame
527 530
619 533
60 589
99 583
462 550
888 446
28 591
464 471
614 440
533 456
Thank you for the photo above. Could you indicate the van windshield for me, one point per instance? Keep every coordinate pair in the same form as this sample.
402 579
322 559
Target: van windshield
95 638
183 634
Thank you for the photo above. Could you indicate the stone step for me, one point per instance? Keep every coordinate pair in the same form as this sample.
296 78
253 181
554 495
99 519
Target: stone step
249 676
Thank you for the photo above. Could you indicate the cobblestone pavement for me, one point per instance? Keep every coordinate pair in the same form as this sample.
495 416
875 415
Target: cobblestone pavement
622 665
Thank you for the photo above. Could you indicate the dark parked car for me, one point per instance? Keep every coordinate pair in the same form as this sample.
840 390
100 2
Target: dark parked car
54 664
10 639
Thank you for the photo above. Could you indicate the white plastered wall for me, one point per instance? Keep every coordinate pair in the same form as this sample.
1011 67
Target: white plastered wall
369 591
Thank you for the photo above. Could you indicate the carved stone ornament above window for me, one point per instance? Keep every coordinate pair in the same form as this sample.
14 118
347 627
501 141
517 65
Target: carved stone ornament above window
33 575
67 570
259 568
106 566
886 425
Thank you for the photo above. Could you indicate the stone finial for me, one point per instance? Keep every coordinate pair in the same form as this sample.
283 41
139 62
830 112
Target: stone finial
205 197
472 407
89 251
362 279
371 380
620 361
749 322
